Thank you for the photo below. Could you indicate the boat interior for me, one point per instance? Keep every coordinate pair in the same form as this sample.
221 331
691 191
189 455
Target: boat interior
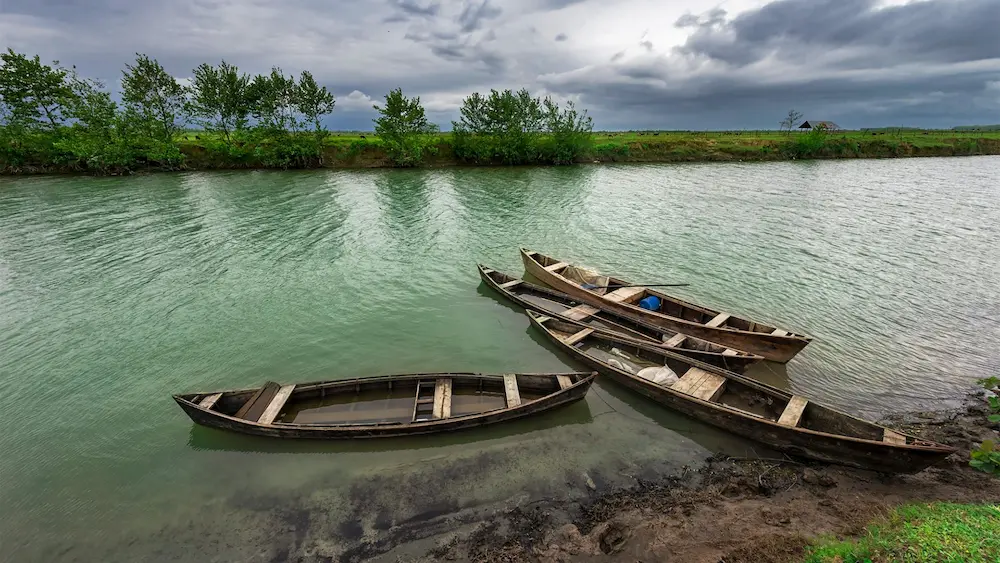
748 398
667 305
389 400
549 302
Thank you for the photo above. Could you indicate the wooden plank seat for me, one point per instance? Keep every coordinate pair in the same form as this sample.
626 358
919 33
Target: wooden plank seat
571 340
675 340
719 320
442 398
511 283
257 403
624 294
274 407
893 437
209 401
510 389
557 266
580 312
701 384
779 332
564 381
792 414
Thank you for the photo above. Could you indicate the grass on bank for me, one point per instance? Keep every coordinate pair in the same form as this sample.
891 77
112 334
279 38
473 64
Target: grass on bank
918 533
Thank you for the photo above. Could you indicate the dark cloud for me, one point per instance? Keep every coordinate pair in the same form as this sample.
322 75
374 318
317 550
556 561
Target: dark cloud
647 45
414 8
561 37
935 63
618 56
475 13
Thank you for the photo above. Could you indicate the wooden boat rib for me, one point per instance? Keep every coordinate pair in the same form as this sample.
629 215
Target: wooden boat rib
781 420
384 406
772 343
561 306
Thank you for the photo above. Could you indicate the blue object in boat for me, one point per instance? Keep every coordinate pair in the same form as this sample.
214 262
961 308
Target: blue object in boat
588 286
651 303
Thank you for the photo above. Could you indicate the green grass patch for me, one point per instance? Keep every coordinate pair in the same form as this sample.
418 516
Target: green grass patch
937 532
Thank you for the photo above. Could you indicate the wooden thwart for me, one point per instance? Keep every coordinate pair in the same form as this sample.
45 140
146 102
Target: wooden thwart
779 332
556 266
255 405
511 283
580 312
571 340
892 437
701 384
793 411
674 341
718 321
442 398
209 401
510 388
564 381
624 294
274 407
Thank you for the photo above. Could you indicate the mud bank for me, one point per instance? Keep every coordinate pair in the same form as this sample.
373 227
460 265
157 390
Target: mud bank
728 509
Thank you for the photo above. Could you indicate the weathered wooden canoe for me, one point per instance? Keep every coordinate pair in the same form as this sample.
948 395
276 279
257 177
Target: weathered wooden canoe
563 307
785 422
674 314
378 407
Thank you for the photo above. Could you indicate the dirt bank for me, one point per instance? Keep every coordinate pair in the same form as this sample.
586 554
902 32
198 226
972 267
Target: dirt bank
731 509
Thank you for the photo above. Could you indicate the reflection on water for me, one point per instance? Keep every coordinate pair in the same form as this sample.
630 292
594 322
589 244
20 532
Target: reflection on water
117 292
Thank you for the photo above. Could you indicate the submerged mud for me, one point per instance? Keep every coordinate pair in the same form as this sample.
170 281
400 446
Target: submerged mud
728 509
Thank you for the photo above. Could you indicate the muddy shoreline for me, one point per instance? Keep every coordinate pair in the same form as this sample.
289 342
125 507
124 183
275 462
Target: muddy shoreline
728 509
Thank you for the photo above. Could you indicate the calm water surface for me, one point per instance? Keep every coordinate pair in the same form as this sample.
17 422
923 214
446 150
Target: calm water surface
115 293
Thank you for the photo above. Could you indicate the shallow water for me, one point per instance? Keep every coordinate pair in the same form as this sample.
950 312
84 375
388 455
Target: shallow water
117 292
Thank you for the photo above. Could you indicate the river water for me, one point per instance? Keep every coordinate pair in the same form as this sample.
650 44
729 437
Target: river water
117 292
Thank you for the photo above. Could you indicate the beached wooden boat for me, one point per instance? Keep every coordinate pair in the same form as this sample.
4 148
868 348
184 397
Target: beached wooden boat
378 407
759 338
781 420
561 306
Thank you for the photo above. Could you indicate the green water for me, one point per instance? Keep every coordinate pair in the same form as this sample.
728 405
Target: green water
117 292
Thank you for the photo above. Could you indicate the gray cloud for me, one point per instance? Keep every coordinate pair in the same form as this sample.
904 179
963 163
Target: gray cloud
857 62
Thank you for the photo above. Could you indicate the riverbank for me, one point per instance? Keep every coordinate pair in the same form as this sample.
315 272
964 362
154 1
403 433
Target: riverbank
359 151
738 510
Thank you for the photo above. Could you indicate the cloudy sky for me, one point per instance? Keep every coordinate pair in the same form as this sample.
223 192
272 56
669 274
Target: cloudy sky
663 64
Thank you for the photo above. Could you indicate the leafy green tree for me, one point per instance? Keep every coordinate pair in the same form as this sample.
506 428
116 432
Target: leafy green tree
313 102
221 99
403 128
101 138
570 132
35 95
275 98
504 127
154 98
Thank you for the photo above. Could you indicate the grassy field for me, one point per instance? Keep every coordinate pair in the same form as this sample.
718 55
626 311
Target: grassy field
358 149
938 532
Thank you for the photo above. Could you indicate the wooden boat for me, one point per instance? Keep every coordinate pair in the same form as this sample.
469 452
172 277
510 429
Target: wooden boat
378 407
772 343
561 306
781 420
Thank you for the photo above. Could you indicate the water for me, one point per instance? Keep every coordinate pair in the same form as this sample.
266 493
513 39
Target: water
117 292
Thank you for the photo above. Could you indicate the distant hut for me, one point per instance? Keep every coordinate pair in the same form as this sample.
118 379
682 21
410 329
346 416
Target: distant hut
828 125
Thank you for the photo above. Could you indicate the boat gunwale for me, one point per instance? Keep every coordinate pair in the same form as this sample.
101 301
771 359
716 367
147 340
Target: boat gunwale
937 447
791 337
586 378
742 354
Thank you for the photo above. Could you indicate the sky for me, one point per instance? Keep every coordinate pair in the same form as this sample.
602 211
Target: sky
632 64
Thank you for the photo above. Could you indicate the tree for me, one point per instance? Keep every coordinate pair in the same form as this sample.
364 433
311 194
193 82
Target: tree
35 95
313 102
154 98
790 120
275 98
403 128
221 99
504 126
570 132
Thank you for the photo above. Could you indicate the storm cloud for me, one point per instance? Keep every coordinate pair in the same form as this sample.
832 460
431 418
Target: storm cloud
632 63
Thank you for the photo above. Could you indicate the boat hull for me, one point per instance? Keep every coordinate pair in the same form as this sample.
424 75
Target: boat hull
772 347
